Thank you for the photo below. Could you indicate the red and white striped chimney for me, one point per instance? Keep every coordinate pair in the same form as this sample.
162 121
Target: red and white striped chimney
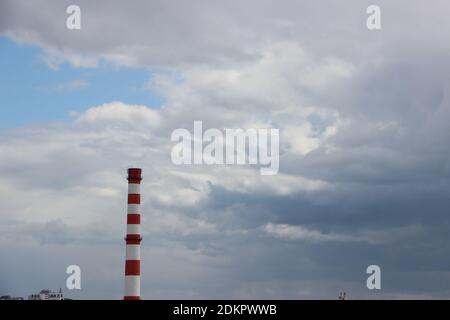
133 239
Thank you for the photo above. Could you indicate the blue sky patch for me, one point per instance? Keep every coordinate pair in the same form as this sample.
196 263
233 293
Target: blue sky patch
31 92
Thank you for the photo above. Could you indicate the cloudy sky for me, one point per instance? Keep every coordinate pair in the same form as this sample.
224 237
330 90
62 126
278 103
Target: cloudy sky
364 119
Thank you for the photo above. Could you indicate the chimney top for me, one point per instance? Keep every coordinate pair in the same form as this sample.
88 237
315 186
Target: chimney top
134 174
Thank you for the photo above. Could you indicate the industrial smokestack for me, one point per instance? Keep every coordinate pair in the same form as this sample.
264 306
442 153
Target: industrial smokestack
133 239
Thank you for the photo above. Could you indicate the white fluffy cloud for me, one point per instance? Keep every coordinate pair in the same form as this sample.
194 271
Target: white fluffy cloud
291 232
141 117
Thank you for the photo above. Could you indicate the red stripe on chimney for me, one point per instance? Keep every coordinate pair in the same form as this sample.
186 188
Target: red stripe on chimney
133 267
134 199
133 218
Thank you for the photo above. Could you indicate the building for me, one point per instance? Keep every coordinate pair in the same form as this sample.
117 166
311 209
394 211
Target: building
10 298
47 295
